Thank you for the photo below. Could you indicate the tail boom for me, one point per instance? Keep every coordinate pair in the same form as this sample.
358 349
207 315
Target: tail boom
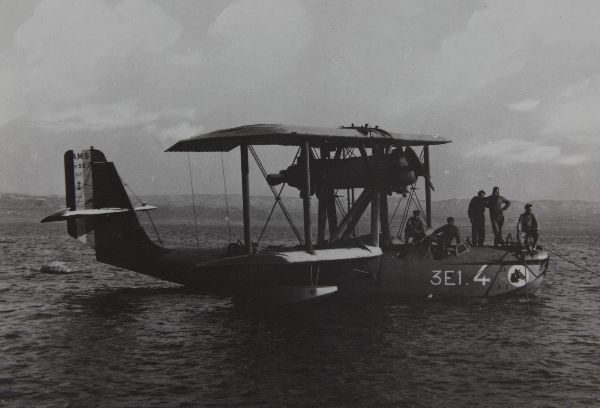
100 214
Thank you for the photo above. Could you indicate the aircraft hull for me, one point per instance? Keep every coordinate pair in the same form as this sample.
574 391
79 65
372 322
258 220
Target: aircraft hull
412 272
481 272
99 213
239 275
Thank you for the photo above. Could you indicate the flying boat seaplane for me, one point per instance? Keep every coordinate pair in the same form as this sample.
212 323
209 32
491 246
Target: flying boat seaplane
370 161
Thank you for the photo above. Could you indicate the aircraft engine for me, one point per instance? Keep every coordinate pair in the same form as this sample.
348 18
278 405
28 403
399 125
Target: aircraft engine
394 172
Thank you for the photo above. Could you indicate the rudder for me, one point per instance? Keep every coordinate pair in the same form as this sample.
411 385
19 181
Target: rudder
79 187
100 213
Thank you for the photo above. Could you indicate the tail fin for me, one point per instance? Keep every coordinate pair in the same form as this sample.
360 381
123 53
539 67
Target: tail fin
100 213
79 185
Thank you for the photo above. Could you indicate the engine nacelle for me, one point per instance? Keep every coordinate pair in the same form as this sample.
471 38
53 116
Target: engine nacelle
391 172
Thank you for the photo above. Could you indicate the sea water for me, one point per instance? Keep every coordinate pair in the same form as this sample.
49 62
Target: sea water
103 337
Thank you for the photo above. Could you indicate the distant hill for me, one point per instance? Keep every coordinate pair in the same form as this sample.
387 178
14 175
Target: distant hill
544 209
212 207
576 210
25 207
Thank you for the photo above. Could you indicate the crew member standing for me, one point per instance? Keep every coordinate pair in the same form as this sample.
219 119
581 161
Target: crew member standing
497 205
527 229
477 217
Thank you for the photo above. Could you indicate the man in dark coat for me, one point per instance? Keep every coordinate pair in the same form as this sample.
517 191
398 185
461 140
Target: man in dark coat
497 205
477 217
527 228
414 228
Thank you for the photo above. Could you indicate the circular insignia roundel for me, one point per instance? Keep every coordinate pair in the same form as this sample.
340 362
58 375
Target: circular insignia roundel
518 275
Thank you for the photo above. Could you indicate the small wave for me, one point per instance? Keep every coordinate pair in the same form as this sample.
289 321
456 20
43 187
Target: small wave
55 267
12 335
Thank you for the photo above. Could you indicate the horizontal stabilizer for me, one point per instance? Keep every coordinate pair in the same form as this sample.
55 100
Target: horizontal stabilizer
66 214
145 207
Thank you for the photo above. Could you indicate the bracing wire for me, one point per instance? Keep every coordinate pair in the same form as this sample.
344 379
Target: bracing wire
406 211
338 203
277 199
276 195
193 201
395 211
132 193
226 200
412 197
573 263
147 212
418 202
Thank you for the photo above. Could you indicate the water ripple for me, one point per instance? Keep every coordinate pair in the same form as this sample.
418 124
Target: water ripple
100 336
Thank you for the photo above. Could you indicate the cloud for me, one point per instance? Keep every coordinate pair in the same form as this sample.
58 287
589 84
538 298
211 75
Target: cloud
522 151
572 160
255 42
178 132
480 54
103 65
9 86
92 68
105 116
526 105
261 30
87 31
85 51
506 41
574 112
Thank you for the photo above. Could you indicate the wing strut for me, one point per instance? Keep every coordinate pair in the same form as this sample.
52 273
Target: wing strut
347 225
306 198
427 185
246 197
375 198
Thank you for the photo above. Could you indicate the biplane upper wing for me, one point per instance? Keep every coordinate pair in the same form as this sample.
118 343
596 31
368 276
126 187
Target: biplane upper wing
289 135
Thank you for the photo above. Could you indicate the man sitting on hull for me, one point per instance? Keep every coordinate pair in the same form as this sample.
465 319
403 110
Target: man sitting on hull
414 228
527 229
442 238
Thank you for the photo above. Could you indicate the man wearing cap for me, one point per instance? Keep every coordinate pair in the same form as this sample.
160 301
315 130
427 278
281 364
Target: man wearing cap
527 228
446 233
441 238
477 217
497 205
414 228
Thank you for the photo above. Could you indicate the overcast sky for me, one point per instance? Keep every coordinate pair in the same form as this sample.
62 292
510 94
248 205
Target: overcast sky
514 84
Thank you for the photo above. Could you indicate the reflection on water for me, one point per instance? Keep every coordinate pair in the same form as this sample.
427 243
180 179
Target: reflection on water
104 337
